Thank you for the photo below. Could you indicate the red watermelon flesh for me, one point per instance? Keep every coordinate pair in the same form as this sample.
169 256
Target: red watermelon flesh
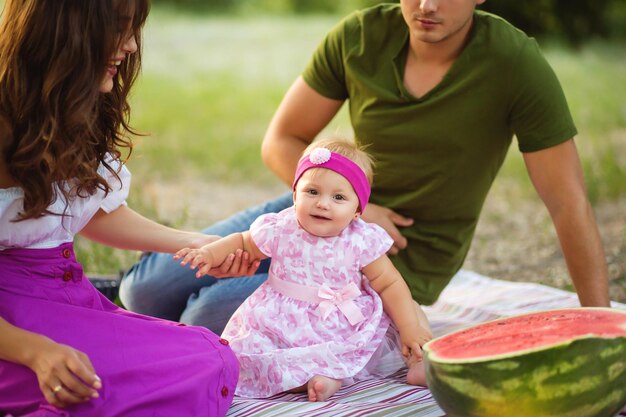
529 332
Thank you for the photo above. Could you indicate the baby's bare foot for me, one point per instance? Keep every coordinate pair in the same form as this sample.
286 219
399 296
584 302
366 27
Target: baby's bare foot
417 373
321 388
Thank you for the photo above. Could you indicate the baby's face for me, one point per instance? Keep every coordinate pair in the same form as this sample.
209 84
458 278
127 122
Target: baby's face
325 202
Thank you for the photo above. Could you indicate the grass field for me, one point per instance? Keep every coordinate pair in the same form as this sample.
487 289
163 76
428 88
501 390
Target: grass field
210 86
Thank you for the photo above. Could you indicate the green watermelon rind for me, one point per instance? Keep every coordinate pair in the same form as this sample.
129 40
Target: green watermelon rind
584 377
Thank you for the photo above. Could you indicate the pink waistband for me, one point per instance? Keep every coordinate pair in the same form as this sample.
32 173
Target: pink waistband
327 298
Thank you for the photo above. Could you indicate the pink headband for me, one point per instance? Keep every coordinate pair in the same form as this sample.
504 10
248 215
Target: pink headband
323 158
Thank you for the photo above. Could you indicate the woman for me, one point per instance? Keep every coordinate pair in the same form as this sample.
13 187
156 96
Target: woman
66 68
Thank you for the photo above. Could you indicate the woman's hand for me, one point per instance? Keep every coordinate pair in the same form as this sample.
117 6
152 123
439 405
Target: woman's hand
388 220
65 375
237 264
198 240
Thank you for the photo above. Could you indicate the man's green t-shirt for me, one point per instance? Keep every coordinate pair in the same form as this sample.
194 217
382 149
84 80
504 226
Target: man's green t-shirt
437 156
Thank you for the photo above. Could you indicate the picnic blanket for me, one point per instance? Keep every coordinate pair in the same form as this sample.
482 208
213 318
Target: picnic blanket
469 299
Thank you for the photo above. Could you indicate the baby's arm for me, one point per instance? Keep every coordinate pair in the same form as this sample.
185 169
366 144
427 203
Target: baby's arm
406 314
215 253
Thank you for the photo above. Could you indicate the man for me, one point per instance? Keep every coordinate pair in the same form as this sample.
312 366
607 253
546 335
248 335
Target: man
436 90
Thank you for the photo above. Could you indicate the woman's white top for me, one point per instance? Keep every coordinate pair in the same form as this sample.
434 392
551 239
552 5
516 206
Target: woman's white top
50 231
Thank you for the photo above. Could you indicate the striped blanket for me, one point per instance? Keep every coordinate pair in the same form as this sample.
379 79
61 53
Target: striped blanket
469 299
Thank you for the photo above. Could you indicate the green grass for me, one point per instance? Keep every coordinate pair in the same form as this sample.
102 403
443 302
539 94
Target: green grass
210 86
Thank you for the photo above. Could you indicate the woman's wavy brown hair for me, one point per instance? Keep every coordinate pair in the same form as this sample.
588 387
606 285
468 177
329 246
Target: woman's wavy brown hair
55 125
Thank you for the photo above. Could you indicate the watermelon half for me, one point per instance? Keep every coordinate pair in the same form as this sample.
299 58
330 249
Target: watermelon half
565 363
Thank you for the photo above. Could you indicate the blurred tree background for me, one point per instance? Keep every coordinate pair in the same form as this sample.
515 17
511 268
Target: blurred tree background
572 21
575 21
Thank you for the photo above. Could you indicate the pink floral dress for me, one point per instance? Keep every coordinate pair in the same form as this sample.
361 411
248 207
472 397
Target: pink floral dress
282 342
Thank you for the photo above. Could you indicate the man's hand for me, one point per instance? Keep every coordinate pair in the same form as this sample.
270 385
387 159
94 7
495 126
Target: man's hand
388 220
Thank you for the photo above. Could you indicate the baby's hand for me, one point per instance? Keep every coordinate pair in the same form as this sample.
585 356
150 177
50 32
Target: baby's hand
412 342
196 258
182 254
412 352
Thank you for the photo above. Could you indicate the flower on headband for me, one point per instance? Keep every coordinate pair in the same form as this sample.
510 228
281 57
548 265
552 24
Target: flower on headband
319 156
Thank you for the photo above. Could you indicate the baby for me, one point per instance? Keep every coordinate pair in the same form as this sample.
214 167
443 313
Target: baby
334 308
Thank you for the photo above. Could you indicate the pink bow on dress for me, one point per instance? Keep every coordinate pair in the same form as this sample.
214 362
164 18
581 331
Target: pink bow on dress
343 300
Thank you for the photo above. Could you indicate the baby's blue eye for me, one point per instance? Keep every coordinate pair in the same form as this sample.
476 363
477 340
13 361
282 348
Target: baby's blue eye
339 197
312 192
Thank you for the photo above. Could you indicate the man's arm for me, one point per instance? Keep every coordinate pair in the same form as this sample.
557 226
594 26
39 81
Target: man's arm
557 176
301 116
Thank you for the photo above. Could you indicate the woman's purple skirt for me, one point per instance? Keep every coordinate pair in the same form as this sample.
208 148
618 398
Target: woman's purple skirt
149 367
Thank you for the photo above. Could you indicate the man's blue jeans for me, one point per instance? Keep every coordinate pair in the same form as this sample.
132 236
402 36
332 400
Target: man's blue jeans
159 286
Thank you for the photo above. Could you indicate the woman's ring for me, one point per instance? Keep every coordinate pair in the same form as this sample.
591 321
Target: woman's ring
57 389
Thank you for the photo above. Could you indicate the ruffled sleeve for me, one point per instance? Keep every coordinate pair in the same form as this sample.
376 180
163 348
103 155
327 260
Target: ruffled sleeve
119 188
264 233
376 243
